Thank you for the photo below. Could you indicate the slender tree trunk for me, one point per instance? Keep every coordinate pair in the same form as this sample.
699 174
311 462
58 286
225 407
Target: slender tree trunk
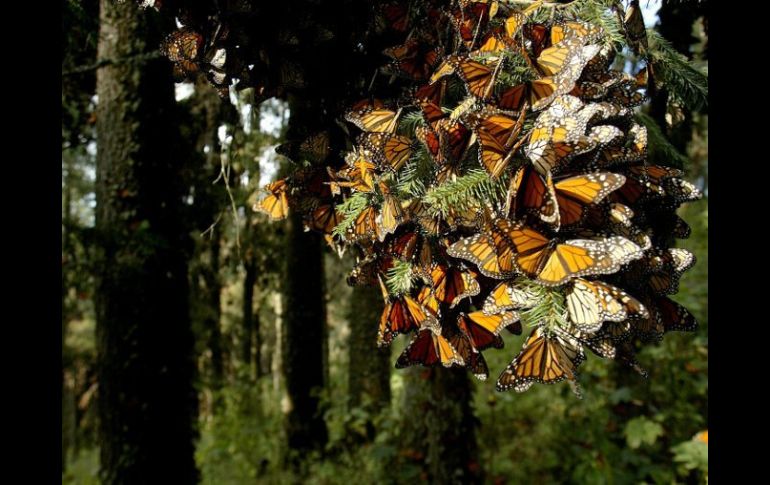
303 333
442 442
214 313
250 318
369 366
147 404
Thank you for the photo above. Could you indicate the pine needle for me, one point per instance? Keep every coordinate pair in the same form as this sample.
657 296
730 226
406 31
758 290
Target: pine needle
399 278
684 81
472 190
659 150
351 208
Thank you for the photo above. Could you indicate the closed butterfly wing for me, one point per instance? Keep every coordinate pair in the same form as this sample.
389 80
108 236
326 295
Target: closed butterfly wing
479 337
544 359
510 296
276 204
495 324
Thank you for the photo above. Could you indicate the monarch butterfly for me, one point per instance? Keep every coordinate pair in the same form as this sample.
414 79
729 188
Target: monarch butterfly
471 356
674 316
565 202
553 263
454 141
432 113
679 190
634 27
276 204
559 134
395 16
184 44
451 284
510 296
471 17
490 250
515 21
665 268
479 337
493 43
401 316
373 117
546 359
479 78
590 303
666 315
365 225
360 175
644 182
314 148
498 139
403 246
633 150
559 67
324 218
572 29
430 139
432 93
430 224
495 324
389 150
413 59
428 348
392 215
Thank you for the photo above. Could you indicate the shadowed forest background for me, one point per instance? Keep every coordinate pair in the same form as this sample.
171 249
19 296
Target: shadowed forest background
244 317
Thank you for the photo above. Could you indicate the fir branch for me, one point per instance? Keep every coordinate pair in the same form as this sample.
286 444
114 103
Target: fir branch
600 14
550 311
409 122
659 150
683 80
399 278
417 173
471 190
351 208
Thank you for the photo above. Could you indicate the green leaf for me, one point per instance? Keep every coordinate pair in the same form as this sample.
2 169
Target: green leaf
641 431
692 455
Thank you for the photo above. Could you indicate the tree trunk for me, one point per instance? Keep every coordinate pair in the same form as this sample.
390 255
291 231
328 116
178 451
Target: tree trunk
214 314
303 333
147 404
442 443
250 319
369 366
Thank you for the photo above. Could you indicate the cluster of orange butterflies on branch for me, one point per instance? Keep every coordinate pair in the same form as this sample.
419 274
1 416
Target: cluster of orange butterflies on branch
506 189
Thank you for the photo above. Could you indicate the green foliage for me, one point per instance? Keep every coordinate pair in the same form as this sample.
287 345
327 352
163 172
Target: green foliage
684 81
466 192
351 208
599 13
400 278
660 150
640 431
691 456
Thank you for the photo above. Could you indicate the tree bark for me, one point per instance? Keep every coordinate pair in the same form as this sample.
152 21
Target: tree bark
250 318
304 323
442 441
369 366
147 404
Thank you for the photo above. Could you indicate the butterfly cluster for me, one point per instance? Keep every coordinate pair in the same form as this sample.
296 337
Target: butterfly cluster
505 187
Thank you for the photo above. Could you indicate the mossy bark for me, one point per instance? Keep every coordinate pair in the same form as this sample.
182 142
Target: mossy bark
147 404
